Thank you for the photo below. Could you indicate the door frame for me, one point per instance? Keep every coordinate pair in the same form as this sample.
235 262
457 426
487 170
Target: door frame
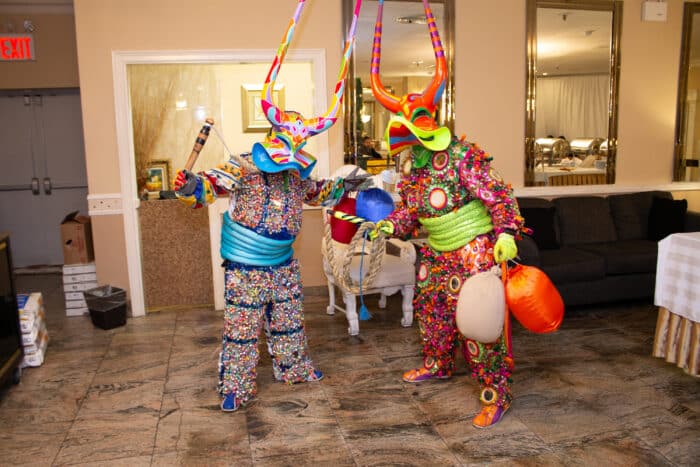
125 142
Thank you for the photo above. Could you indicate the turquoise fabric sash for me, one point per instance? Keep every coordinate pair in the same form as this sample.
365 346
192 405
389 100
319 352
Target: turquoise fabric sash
241 245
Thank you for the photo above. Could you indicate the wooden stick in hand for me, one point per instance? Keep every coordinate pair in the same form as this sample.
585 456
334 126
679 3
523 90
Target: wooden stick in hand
199 143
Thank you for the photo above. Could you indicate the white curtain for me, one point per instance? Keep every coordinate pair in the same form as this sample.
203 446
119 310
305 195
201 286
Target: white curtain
572 106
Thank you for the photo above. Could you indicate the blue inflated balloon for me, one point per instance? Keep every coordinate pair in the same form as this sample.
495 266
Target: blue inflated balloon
374 204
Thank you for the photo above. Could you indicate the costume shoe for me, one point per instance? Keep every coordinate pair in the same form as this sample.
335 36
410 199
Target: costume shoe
489 415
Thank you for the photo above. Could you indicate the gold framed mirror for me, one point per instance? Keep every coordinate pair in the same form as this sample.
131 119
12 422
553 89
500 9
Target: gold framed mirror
687 140
573 63
407 66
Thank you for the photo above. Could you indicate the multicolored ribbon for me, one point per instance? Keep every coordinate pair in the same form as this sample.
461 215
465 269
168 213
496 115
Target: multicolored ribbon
414 119
283 148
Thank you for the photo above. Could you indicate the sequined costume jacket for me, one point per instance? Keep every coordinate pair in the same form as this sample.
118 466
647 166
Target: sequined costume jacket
270 204
451 179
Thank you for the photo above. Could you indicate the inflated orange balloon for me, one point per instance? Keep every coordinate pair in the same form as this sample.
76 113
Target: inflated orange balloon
533 299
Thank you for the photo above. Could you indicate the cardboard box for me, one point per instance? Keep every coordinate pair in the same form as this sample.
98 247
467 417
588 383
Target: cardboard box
28 338
78 268
29 304
34 354
75 296
76 303
29 320
33 344
79 278
79 287
77 311
76 238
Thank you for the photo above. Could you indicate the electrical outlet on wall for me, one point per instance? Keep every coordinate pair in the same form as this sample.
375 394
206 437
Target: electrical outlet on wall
104 204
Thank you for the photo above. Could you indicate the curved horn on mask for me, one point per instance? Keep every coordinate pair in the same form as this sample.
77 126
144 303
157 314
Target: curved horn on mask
269 84
334 108
434 91
384 97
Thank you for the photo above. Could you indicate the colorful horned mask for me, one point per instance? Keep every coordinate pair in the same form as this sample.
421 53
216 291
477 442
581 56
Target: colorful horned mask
283 148
413 122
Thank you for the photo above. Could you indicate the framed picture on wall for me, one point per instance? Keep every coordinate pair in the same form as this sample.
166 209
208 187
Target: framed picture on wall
158 177
254 120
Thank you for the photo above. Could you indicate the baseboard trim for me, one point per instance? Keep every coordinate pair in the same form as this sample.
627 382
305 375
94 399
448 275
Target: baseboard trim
316 291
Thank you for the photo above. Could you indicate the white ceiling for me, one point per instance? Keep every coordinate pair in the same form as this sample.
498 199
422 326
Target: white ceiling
406 48
573 41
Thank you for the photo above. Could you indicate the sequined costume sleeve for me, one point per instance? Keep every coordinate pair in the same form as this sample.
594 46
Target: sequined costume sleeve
323 192
405 216
484 183
213 182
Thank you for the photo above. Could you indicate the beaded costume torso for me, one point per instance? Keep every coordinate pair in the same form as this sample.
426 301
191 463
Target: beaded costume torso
449 180
270 203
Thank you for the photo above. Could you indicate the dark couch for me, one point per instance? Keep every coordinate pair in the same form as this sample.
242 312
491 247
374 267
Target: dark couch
600 249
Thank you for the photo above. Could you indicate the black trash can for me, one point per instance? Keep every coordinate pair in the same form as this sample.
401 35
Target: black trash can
107 306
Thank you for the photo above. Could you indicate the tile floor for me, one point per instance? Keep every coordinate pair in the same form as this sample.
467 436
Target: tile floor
144 394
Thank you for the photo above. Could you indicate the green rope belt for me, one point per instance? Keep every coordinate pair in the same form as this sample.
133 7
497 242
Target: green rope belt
457 228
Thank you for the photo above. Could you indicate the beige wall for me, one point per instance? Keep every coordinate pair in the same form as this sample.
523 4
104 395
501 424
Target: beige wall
490 80
56 64
648 93
490 84
119 25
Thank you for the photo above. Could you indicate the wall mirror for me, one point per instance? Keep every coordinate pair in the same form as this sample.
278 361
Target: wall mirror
687 142
407 65
572 85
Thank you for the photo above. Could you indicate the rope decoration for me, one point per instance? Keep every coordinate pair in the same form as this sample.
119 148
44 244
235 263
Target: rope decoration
341 267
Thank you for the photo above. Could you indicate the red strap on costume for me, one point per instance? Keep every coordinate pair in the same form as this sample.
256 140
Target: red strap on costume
506 321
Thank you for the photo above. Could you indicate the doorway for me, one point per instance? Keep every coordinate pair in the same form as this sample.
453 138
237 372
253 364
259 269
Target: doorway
43 174
131 200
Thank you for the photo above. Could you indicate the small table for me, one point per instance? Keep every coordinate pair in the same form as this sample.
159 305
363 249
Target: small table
546 173
677 295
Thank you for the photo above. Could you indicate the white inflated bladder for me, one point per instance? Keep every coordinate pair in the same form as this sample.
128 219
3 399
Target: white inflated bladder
481 307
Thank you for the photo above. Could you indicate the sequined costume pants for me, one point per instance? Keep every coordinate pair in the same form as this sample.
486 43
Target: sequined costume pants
257 298
440 278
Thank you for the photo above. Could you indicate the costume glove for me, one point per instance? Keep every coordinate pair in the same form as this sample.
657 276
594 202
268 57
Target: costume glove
185 183
505 248
382 227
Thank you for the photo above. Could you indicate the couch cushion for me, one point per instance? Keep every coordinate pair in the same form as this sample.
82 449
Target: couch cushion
626 256
569 264
585 219
541 221
528 252
525 203
631 213
667 216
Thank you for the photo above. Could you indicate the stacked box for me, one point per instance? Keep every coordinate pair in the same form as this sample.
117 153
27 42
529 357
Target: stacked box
78 278
32 323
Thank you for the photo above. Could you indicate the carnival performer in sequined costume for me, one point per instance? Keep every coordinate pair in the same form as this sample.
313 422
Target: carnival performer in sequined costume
450 189
262 280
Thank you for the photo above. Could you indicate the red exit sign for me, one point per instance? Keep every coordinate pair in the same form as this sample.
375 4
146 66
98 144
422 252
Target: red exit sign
16 47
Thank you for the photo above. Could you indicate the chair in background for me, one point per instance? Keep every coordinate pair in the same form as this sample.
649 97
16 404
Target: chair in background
382 272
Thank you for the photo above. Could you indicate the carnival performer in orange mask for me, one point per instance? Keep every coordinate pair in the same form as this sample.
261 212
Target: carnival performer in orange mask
449 188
